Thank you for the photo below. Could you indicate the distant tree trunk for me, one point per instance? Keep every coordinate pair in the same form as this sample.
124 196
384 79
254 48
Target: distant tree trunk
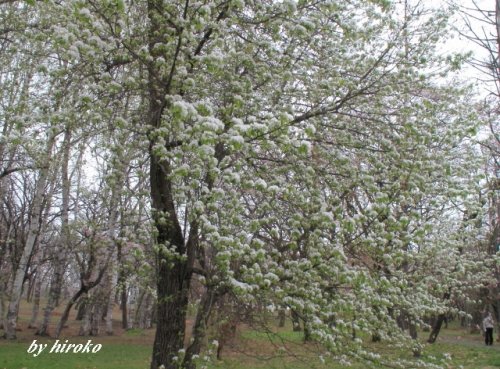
80 306
436 328
97 313
144 311
110 305
122 285
85 324
307 332
60 249
131 307
414 335
406 322
281 318
112 275
108 302
376 337
54 292
123 298
295 321
84 288
226 333
146 321
199 328
139 308
33 231
31 287
2 309
65 314
36 302
94 312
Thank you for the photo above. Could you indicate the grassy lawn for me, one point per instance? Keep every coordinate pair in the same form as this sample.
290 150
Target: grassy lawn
249 350
13 355
454 349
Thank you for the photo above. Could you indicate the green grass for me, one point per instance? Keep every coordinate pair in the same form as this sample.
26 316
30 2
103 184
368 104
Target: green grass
467 353
251 350
13 355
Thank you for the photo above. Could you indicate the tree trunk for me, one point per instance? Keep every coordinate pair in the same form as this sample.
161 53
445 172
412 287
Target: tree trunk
281 318
417 352
33 230
84 288
307 333
119 173
173 276
122 285
172 266
65 314
97 311
80 309
85 324
124 307
110 305
31 288
376 337
199 328
436 328
36 303
139 308
54 292
2 309
295 322
172 287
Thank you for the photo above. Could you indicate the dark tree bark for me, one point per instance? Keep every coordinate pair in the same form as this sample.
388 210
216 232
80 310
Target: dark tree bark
173 276
436 328
69 305
123 296
307 333
438 323
84 288
295 321
173 271
122 285
200 326
175 255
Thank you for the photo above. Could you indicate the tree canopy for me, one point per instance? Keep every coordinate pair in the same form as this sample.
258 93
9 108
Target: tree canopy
311 155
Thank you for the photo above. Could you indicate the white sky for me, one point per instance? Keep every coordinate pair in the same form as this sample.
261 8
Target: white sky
463 45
